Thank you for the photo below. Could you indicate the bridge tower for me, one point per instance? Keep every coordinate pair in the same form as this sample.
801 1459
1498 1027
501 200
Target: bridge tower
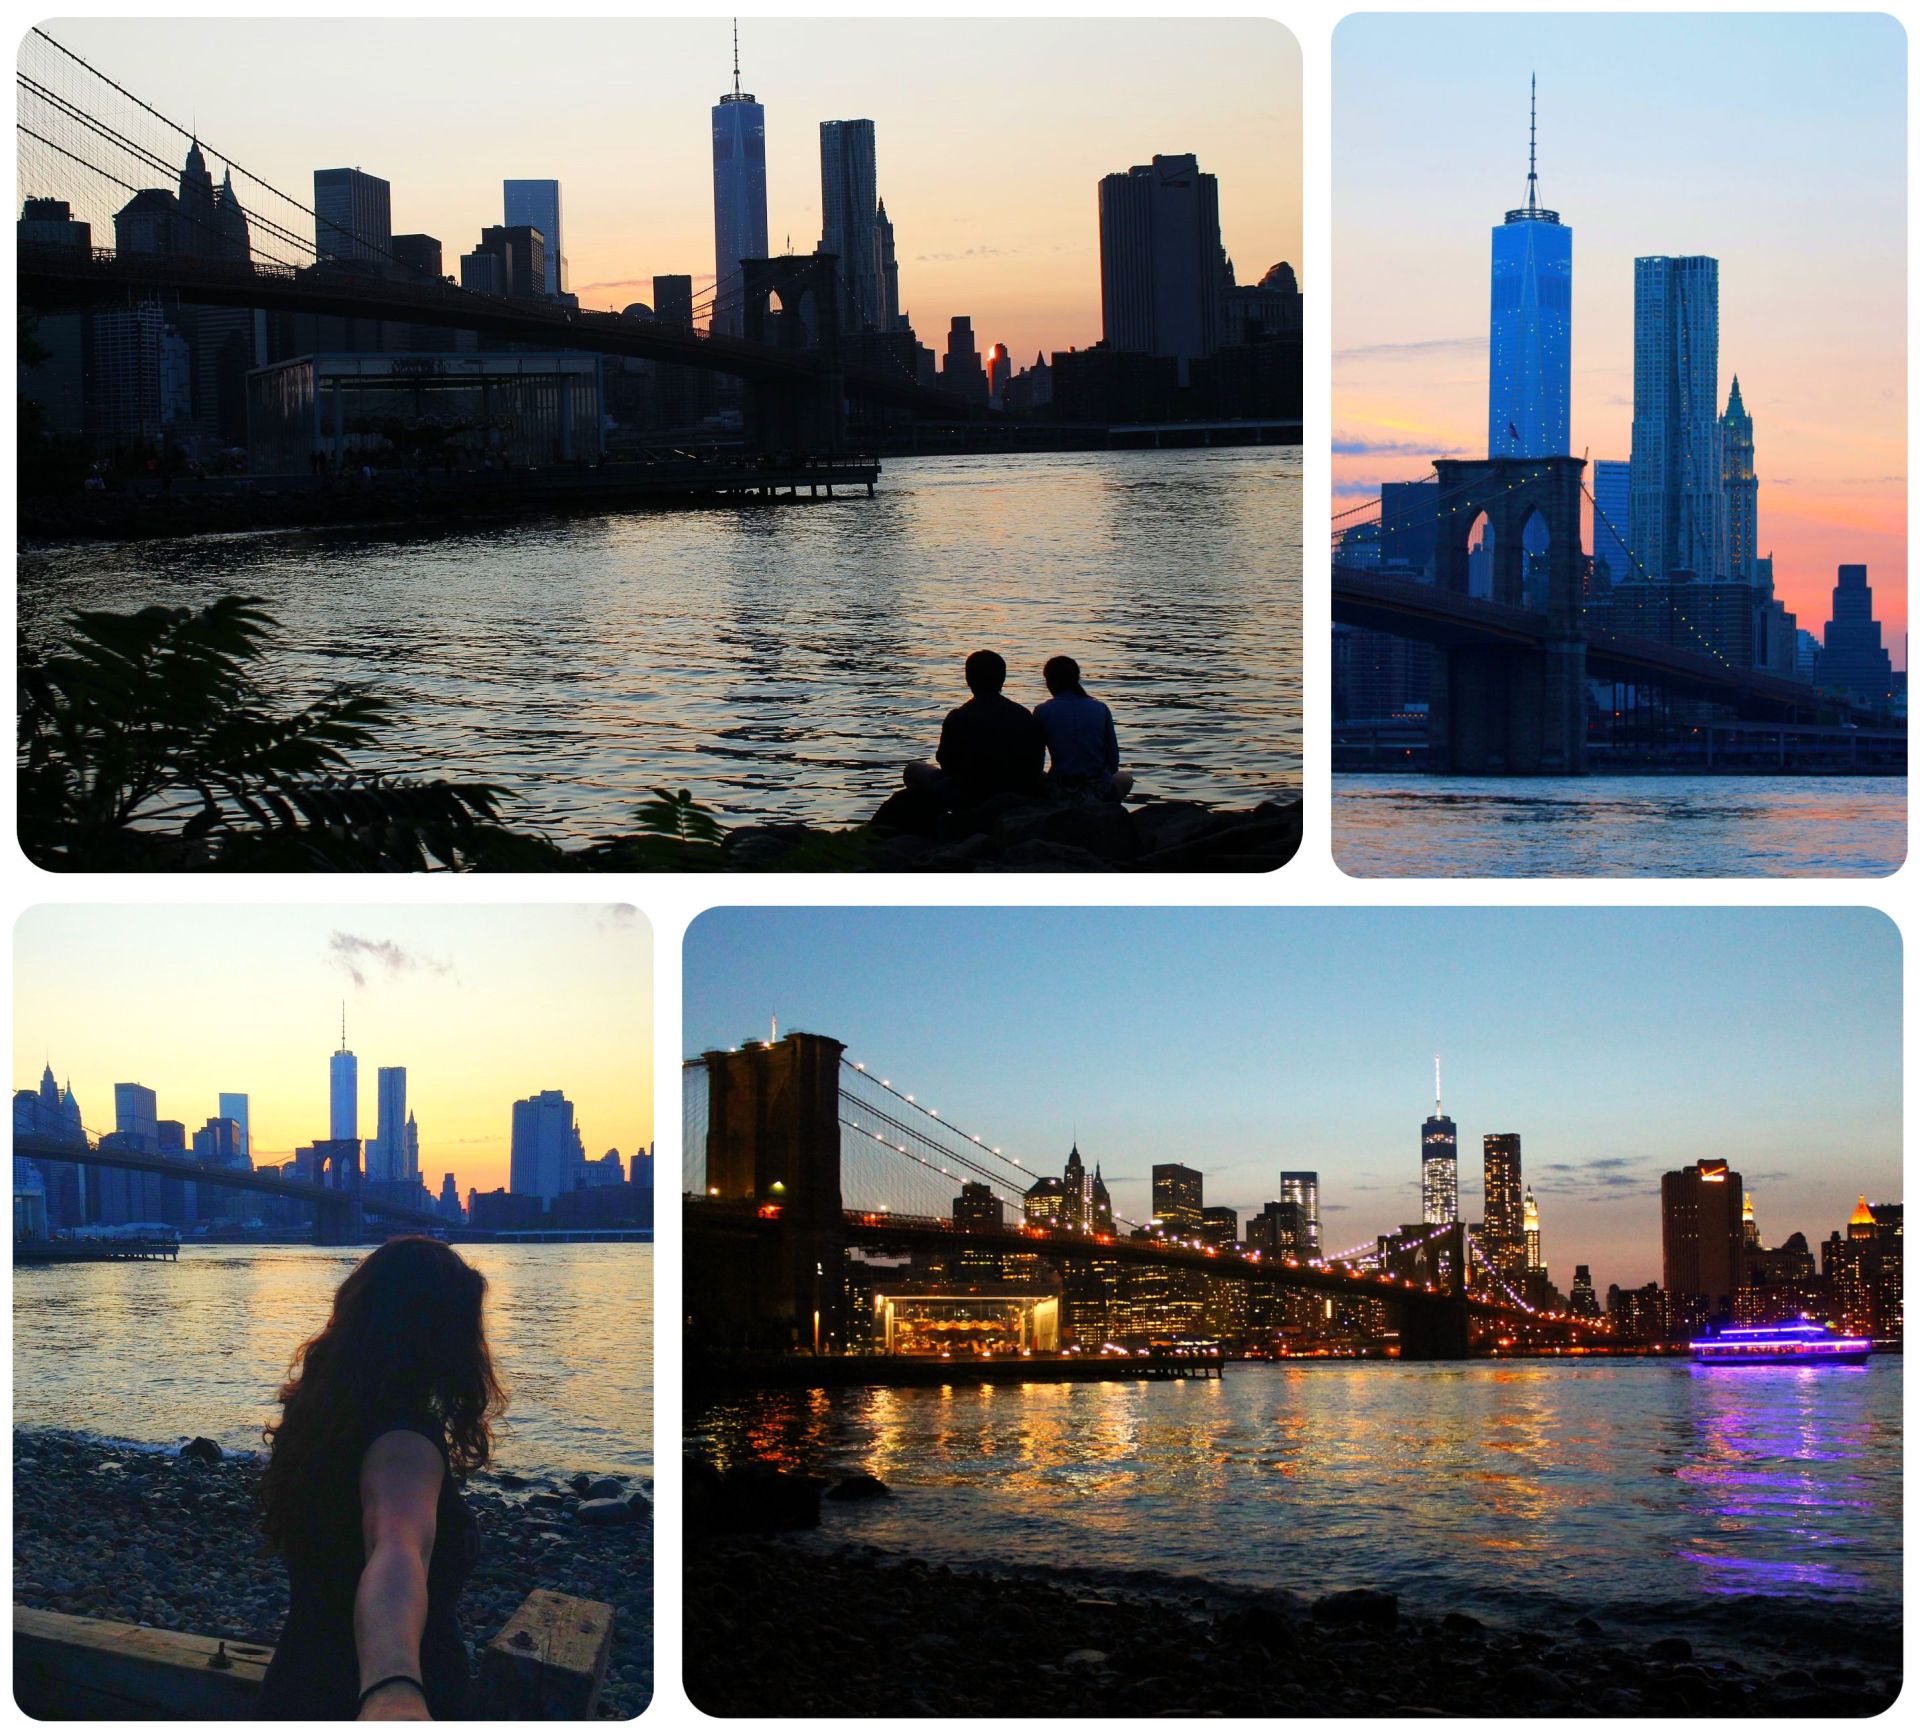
806 414
337 1167
773 1150
1502 709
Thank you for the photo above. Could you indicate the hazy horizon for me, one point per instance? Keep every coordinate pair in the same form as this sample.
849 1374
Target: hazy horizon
992 135
482 1004
1619 1043
1774 142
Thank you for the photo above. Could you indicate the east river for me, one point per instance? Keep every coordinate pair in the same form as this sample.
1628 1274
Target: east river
156 1353
1637 1491
1678 827
782 663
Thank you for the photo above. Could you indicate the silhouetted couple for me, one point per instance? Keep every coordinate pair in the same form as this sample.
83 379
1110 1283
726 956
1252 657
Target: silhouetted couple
992 746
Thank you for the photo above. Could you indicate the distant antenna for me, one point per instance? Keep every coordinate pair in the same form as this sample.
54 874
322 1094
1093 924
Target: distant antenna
343 1026
1533 87
1436 1086
736 57
773 1028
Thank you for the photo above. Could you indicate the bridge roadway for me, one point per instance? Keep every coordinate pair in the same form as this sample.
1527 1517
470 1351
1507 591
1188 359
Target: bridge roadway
53 278
888 1230
40 1149
1430 615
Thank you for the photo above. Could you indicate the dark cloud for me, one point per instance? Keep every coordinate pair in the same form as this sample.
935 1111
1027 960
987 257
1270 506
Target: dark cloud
357 955
1348 447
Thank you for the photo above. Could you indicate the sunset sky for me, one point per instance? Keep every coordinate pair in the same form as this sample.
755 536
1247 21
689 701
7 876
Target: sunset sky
1618 1043
1774 143
481 1004
991 135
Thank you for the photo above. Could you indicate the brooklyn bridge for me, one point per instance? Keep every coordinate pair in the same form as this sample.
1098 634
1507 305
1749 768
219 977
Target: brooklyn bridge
806 1173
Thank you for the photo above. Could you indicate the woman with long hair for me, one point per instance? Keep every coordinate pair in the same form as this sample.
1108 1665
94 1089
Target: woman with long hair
384 1414
1082 750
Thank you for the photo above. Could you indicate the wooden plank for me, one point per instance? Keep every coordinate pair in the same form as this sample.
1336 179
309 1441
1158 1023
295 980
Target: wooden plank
67 1667
548 1662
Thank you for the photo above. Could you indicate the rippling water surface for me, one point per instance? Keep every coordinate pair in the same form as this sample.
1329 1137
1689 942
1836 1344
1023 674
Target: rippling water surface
1669 827
783 663
1519 1489
155 1353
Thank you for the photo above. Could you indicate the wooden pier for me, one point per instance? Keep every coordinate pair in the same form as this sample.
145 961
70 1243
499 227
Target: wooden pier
547 1663
95 1251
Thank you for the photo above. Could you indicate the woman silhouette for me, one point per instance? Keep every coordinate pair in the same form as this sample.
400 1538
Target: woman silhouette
383 1414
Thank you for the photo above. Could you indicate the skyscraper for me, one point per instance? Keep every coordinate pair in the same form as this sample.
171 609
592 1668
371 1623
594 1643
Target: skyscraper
1582 1302
1679 511
1439 1162
197 234
849 213
546 1152
1851 656
387 1154
1742 488
1530 356
1701 1242
536 205
1505 1212
1301 1187
343 1089
136 1115
1177 1200
353 216
234 1106
890 317
739 195
1612 514
1530 1231
1162 268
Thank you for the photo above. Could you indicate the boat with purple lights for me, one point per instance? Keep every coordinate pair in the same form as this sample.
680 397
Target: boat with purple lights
1802 1343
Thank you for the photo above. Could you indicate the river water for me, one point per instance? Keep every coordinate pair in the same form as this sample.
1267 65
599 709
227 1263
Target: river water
784 662
156 1353
1639 1489
1681 827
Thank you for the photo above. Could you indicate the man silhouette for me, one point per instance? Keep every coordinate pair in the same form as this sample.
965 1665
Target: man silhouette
988 746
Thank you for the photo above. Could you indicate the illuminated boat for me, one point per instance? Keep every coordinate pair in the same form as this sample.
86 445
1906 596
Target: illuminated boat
1802 1343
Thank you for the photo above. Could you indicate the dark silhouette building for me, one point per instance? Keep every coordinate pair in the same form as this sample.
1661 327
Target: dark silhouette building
1702 1243
1852 658
1162 268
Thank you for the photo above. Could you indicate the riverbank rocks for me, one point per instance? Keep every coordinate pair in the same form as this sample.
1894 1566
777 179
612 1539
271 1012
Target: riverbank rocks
607 1511
748 1499
789 1627
1670 1649
1012 834
858 1487
201 1450
174 1543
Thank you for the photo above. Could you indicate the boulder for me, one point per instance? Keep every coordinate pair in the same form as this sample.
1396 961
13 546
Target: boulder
858 1487
201 1450
1536 1684
1670 1650
606 1511
749 1499
1463 1623
1374 1609
605 1487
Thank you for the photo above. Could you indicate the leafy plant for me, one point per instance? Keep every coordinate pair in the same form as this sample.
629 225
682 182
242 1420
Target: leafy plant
146 742
680 817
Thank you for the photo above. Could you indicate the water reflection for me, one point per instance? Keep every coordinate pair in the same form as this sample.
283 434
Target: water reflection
1529 1484
785 663
156 1352
1612 826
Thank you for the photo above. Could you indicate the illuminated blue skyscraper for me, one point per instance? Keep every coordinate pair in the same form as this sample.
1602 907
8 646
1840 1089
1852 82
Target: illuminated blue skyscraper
1531 352
739 194
1679 461
1612 514
536 205
1439 1162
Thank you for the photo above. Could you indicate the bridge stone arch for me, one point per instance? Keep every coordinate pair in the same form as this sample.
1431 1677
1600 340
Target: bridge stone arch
796 416
1499 708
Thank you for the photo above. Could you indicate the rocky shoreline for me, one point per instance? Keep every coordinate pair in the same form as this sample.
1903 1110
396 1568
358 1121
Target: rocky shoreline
790 1627
167 1540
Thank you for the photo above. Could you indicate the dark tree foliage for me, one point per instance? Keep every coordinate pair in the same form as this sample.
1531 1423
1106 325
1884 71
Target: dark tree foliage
146 743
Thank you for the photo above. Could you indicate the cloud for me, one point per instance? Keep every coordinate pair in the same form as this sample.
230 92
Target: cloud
1425 346
1350 446
358 955
617 918
970 253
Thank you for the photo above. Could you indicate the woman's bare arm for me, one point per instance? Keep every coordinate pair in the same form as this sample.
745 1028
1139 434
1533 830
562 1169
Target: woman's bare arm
399 1503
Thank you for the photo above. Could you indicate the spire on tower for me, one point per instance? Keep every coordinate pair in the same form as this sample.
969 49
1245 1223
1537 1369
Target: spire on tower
1533 109
736 57
1436 1087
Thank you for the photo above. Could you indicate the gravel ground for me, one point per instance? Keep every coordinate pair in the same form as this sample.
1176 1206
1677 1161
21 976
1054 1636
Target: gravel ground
148 1537
778 1627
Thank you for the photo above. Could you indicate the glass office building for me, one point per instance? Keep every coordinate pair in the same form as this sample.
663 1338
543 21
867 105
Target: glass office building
1530 362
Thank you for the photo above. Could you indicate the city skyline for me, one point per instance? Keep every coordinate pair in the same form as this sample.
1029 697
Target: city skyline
1033 1072
1642 157
480 1005
979 231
